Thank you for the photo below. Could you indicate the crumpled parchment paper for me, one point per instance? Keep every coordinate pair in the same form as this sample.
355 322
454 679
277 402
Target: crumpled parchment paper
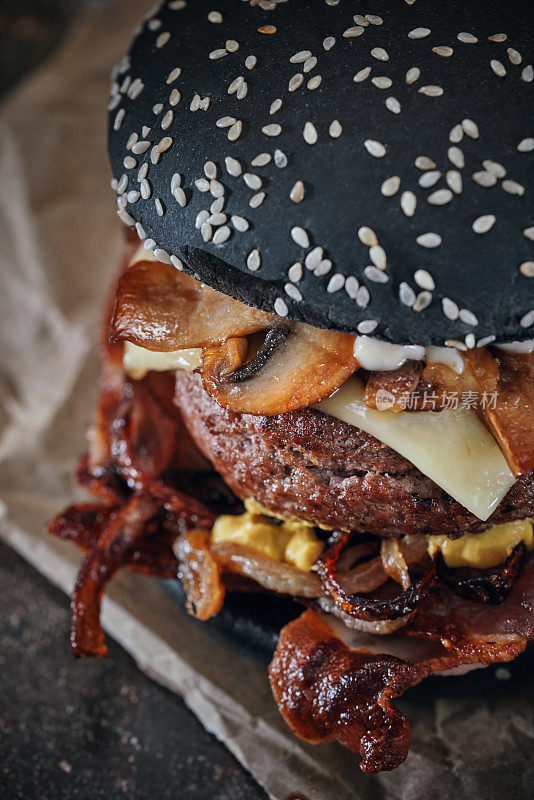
59 246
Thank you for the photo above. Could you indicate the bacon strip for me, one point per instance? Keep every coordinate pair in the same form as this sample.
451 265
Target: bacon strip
328 690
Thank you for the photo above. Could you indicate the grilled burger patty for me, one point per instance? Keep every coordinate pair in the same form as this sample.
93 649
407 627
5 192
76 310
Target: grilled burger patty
310 465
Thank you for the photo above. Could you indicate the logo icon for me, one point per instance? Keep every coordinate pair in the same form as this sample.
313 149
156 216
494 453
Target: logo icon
384 400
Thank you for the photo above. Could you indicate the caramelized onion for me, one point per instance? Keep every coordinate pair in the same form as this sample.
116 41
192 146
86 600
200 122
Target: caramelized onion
160 308
366 608
200 574
394 563
306 365
484 586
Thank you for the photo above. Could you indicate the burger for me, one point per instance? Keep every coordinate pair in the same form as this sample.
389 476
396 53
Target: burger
318 360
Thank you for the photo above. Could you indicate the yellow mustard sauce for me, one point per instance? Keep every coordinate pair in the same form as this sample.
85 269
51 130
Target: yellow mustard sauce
483 550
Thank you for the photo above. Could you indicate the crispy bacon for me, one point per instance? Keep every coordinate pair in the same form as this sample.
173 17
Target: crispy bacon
328 690
366 608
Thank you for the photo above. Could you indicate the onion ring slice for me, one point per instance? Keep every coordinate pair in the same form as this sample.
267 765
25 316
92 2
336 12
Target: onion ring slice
484 586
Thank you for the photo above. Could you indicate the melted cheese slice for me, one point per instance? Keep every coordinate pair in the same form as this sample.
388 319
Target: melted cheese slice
138 361
452 447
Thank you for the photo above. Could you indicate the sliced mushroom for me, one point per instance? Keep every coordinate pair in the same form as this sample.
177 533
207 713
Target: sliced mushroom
296 366
159 308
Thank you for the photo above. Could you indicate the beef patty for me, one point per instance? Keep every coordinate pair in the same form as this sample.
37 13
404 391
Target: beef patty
313 466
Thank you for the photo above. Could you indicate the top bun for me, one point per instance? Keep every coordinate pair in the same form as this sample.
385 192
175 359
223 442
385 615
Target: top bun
372 174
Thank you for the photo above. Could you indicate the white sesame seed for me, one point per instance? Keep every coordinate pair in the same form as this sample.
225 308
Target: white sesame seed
498 67
239 223
468 318
216 188
513 187
206 231
429 240
162 255
140 230
146 189
380 54
175 261
215 16
419 33
119 119
351 286
310 133
498 37
329 42
322 268
375 275
250 62
129 162
484 224
236 83
232 46
177 5
149 244
256 200
310 64
314 258
456 344
300 57
261 160
406 294
195 103
362 75
202 185
242 91
515 57
179 196
363 297
367 236
375 148
408 203
440 197
457 134
292 292
527 74
382 82
529 233
297 192
272 130
162 39
367 326
132 140
454 181
470 128
335 130
294 272
253 181
254 260
202 217
526 145
219 53
314 82
484 178
126 217
233 167
280 307
160 211
173 75
450 309
486 340
377 254
527 269
352 32
422 301
456 157
295 82
393 105
528 320
390 186
431 91
122 201
164 144
374 19
424 162
424 279
360 20
276 105
235 131
336 282
300 237
218 205
413 75
444 51
494 167
429 179
155 155
140 147
280 159
225 122
221 235
467 38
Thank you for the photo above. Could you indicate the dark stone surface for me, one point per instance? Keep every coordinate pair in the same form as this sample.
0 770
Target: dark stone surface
92 729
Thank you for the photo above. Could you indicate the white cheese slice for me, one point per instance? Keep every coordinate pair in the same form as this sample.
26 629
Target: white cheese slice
452 447
138 361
